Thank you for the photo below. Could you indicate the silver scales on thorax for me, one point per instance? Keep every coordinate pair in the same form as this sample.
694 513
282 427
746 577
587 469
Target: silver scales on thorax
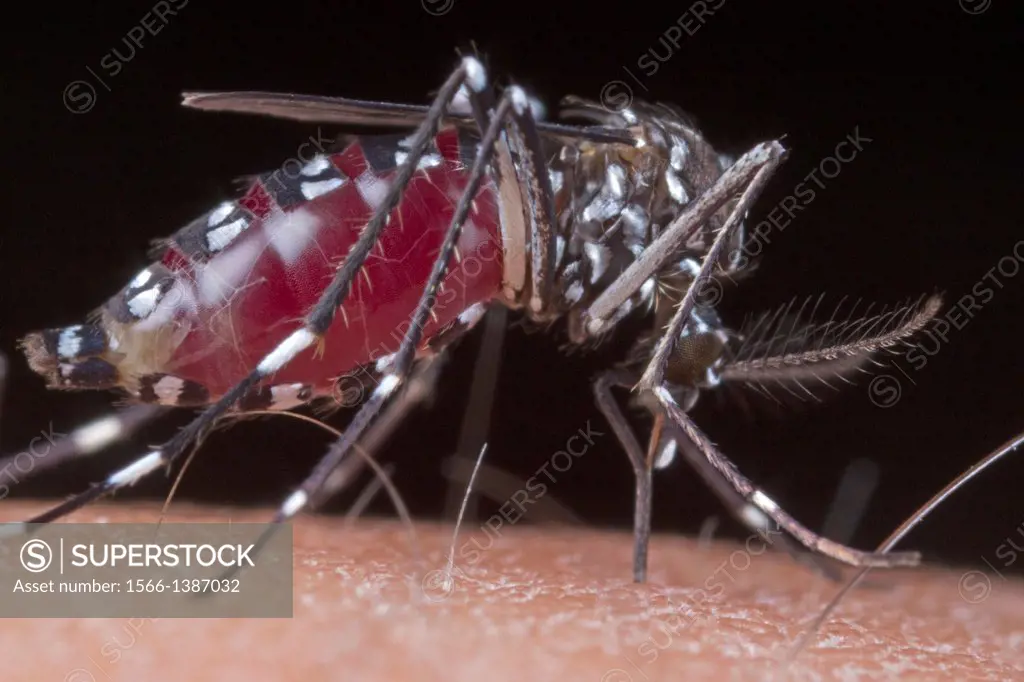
612 201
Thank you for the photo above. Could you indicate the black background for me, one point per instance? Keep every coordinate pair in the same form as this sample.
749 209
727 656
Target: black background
930 204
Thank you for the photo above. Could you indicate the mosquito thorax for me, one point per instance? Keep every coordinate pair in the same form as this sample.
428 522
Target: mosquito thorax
614 200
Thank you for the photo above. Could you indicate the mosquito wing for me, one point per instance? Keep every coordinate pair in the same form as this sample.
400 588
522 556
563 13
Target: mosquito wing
354 112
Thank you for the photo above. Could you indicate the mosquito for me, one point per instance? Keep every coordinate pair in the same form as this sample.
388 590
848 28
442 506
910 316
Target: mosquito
292 293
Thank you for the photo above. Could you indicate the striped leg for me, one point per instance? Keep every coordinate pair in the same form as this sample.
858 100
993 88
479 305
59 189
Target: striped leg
84 441
317 322
302 498
643 464
58 448
652 383
757 503
418 390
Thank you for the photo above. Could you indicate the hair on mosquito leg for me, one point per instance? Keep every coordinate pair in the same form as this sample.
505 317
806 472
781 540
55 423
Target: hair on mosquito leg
901 532
814 351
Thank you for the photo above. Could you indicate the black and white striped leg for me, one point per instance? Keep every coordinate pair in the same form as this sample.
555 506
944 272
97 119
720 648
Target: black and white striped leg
642 464
404 358
652 383
757 502
417 391
84 441
744 512
471 73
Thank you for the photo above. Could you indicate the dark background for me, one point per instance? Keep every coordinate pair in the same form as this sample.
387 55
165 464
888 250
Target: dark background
931 204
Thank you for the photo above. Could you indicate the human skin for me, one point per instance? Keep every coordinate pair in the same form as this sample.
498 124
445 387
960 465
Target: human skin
537 604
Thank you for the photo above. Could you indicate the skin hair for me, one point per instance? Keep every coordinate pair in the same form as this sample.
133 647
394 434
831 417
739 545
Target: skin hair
536 603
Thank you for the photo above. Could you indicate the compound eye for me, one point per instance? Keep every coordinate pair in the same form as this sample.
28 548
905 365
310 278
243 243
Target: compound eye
694 355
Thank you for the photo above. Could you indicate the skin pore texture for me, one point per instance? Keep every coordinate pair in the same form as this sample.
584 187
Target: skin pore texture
538 603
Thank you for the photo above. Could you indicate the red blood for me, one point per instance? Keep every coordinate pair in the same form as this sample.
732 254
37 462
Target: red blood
263 298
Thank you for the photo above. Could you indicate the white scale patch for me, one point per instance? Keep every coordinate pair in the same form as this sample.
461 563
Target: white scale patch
690 266
140 279
137 469
180 296
647 289
69 342
227 271
676 189
97 435
556 178
286 396
679 154
218 239
635 222
312 190
559 248
168 389
220 213
600 257
471 315
294 504
298 341
460 102
608 202
384 363
144 303
574 292
372 189
616 181
667 454
315 167
426 161
754 517
291 233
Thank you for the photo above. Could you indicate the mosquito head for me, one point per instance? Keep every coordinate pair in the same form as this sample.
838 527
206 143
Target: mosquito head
698 354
